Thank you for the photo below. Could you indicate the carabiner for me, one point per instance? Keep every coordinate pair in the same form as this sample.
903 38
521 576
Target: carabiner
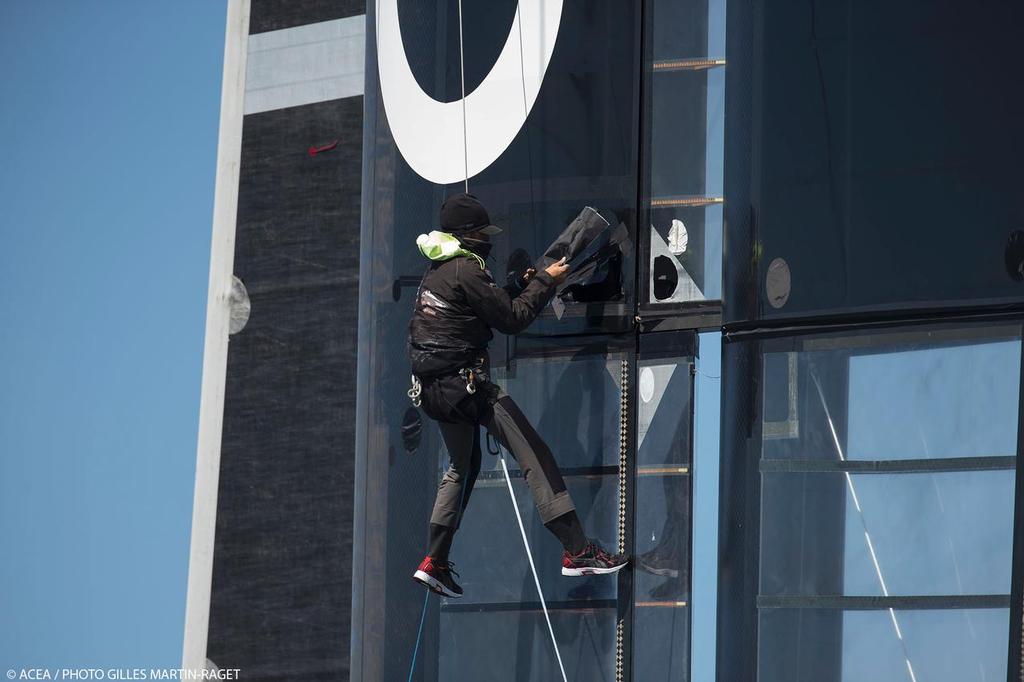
415 391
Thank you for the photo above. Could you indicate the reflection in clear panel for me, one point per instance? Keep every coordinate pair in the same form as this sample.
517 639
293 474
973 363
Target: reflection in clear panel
953 401
661 641
930 533
826 127
679 30
662 513
573 400
488 548
663 434
966 645
781 418
887 479
685 114
678 130
515 645
663 539
497 629
946 533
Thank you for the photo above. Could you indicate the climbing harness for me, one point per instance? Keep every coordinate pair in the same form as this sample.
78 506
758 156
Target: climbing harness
416 391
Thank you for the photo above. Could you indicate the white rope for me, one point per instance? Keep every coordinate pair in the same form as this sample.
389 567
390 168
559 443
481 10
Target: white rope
462 74
536 580
864 526
526 114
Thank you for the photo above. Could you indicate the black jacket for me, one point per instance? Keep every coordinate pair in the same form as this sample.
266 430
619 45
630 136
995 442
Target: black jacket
456 306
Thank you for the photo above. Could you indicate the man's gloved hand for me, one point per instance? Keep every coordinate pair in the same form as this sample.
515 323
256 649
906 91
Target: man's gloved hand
558 270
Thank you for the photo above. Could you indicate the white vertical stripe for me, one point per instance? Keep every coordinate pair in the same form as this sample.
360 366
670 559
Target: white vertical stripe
215 352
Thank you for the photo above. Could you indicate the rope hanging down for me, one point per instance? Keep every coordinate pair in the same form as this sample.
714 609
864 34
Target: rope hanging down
533 568
419 634
526 116
462 75
423 612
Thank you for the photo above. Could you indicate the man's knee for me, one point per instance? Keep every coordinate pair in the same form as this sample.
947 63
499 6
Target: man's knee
456 475
534 452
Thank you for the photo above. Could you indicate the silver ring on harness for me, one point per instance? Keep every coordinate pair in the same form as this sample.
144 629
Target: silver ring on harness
467 374
415 391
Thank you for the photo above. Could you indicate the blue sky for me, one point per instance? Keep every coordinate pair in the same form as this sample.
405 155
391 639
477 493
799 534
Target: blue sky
108 121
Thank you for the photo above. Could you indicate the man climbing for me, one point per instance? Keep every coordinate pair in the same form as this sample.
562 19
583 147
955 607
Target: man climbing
456 306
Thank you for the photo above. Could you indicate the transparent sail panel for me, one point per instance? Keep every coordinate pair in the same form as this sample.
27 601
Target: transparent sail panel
685 111
967 645
572 396
516 646
954 401
662 528
489 554
857 168
887 503
914 533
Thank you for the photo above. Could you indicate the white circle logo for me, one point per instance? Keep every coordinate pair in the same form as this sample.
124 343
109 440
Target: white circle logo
428 133
646 384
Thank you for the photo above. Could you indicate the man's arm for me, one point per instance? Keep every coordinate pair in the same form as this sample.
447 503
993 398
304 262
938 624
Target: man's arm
495 305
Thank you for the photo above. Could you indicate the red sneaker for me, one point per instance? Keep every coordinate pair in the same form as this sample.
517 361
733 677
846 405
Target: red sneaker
592 561
437 577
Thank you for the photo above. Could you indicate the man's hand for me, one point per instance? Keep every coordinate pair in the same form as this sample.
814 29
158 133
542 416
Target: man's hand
528 275
558 271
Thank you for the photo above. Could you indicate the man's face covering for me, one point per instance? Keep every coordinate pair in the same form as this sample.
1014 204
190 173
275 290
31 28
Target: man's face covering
481 247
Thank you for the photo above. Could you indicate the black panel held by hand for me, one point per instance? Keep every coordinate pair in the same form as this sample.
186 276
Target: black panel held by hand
596 272
575 238
593 250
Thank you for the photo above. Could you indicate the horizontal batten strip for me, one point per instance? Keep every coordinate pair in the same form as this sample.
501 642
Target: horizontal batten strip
888 466
908 603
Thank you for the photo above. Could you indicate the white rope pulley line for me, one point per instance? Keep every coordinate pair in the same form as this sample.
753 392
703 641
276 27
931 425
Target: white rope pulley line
465 126
533 568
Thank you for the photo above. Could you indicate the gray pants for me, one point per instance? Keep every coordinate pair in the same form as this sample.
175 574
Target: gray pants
509 426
